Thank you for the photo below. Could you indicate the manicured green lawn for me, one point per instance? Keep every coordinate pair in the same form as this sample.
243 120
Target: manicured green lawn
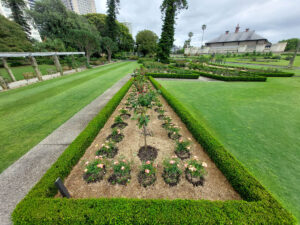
259 123
18 71
280 62
29 114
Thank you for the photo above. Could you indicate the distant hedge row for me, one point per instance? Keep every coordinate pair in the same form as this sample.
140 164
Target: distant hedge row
173 75
259 72
40 206
233 78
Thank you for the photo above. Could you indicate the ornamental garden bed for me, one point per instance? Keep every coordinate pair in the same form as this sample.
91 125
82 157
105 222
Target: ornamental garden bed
164 169
248 203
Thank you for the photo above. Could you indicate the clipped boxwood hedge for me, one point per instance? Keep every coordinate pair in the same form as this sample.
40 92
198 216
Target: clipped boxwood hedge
173 75
259 72
258 206
233 78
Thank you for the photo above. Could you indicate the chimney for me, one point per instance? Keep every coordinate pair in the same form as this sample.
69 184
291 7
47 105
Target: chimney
247 30
237 28
227 32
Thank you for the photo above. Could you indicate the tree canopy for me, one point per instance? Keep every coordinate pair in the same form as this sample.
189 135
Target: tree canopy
56 22
18 8
12 37
146 41
124 39
291 44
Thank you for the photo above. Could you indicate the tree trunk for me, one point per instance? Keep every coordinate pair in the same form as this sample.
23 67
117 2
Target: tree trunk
294 56
73 61
36 68
10 73
145 137
88 56
109 55
57 65
3 83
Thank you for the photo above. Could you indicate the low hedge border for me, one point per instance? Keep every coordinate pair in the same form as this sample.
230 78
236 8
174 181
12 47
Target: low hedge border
173 75
40 206
233 78
260 73
242 181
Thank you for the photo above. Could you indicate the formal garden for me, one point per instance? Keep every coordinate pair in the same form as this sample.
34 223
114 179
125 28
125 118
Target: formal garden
99 127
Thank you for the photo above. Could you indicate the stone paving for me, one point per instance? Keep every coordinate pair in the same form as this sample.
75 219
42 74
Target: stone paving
17 180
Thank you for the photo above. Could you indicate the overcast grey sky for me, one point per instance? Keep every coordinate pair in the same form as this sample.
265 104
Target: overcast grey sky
273 19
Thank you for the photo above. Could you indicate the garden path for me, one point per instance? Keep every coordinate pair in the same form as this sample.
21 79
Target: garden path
17 180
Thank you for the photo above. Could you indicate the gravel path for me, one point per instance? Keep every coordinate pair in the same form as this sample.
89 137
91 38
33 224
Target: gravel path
17 180
262 65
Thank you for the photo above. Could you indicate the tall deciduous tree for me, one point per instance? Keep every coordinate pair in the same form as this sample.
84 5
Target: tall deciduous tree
112 11
146 41
169 9
86 41
56 22
18 8
110 46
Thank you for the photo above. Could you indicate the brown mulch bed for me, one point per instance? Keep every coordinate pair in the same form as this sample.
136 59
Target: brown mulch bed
216 186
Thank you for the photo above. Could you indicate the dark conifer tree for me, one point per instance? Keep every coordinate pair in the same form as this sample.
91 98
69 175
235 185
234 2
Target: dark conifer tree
169 8
18 8
112 11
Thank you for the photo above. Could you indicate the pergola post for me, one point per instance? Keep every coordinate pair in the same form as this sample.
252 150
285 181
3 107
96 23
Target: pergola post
36 68
3 84
10 73
58 65
73 61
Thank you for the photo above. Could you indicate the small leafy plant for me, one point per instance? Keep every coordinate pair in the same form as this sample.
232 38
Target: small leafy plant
167 122
173 132
147 173
182 149
121 172
109 149
115 136
172 171
195 171
94 171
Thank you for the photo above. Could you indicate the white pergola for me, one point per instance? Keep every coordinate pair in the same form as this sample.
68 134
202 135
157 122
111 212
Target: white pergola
31 56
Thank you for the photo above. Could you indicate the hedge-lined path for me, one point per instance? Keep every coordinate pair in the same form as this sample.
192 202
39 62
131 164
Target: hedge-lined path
20 177
201 79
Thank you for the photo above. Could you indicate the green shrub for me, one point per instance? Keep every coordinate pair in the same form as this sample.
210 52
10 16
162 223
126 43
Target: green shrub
173 75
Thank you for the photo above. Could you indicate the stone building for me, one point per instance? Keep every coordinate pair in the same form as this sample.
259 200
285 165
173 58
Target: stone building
81 7
237 42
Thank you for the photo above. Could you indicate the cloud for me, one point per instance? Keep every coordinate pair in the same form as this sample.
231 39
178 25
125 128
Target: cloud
273 19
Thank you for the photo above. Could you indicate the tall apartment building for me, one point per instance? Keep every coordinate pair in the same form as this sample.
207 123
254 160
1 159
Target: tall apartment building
81 7
7 13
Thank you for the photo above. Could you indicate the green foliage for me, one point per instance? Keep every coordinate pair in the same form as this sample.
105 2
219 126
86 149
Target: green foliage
195 168
146 41
112 11
56 22
18 8
123 37
87 41
173 75
148 168
182 146
107 150
50 45
170 8
291 44
12 37
93 170
110 46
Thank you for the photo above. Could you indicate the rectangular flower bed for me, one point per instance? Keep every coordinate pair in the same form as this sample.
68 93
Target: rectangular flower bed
44 206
